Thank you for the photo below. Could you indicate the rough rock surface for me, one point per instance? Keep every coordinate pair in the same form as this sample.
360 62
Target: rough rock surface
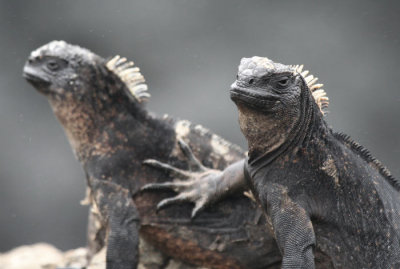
46 256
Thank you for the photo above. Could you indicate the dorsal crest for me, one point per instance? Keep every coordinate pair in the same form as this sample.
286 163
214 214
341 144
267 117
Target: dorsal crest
318 93
130 75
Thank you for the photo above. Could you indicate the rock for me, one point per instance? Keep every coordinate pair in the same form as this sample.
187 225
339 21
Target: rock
46 256
37 256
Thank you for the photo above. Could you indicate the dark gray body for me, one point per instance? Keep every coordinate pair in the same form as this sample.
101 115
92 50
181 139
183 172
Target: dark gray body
319 189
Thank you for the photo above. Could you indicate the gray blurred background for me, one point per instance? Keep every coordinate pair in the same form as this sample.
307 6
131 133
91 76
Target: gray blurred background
189 52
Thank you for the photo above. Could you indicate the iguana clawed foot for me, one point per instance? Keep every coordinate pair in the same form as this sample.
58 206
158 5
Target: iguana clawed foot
198 185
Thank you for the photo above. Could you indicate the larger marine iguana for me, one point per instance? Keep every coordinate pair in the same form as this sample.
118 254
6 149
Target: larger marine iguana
100 105
319 189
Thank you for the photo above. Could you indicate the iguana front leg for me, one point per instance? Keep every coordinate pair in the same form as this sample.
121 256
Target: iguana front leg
292 227
200 185
122 220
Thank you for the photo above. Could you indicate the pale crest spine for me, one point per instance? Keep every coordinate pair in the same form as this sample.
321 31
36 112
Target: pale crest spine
130 75
318 93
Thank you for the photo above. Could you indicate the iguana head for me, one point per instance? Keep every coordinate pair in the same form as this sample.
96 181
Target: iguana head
55 69
85 90
273 99
61 70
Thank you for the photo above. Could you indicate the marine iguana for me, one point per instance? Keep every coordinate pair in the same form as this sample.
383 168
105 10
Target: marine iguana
100 104
319 189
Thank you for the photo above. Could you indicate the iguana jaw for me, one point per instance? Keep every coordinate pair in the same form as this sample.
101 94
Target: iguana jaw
256 106
252 98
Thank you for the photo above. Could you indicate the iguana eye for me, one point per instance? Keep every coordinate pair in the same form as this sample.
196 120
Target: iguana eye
251 81
55 64
283 82
52 65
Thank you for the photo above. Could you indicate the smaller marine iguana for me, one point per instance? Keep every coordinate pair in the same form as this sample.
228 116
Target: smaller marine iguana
100 104
319 189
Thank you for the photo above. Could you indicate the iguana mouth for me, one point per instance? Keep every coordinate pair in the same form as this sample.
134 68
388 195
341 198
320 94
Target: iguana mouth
251 98
38 81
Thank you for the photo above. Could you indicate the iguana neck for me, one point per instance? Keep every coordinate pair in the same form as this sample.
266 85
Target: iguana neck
262 132
88 124
287 138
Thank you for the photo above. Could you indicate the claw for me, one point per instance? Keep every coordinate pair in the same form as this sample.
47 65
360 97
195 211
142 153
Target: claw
194 163
169 201
198 207
173 171
175 186
157 186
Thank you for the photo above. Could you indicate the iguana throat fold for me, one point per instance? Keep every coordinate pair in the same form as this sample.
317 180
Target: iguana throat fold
297 137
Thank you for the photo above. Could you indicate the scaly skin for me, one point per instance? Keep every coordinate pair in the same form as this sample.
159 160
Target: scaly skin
111 134
319 188
321 191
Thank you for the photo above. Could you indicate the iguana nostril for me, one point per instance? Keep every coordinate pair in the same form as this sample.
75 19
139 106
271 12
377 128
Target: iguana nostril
251 81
